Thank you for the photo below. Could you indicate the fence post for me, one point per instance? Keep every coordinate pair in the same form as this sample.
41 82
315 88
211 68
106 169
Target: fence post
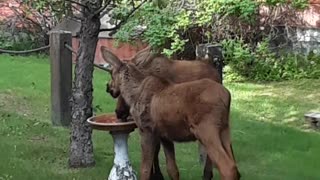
61 77
213 52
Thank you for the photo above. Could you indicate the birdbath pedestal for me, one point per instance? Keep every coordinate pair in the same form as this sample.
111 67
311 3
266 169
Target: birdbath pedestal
122 169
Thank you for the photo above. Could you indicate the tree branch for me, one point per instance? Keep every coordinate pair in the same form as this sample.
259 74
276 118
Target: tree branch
22 16
102 8
124 20
101 67
77 3
132 3
105 12
75 17
79 10
76 8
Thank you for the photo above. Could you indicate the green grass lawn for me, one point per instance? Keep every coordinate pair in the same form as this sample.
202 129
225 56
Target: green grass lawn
270 138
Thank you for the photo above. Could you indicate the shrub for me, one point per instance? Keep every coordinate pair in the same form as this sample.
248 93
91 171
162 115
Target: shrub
261 64
17 41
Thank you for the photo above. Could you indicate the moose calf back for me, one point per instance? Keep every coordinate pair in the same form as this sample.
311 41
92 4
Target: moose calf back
178 71
185 105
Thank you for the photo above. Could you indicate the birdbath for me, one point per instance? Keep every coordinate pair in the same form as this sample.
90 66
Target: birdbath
122 169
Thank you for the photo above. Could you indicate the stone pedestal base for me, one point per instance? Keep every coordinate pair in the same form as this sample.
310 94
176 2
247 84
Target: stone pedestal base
122 169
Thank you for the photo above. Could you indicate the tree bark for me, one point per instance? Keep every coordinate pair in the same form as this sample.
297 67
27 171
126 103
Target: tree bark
81 148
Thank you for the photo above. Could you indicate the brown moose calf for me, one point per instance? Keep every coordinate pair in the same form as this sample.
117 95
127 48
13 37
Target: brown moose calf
196 110
171 70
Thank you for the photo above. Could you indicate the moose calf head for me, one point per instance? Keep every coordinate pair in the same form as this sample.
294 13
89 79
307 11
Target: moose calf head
121 71
117 66
113 86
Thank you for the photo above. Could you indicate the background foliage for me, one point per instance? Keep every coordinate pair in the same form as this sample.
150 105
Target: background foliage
177 26
264 65
31 22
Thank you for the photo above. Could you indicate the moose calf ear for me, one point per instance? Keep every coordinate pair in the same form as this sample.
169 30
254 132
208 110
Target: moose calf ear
142 55
110 58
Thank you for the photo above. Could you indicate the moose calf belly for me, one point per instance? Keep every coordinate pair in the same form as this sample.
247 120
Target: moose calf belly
169 118
172 127
175 133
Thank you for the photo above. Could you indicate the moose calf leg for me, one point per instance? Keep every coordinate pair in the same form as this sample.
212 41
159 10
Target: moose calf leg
216 152
202 154
148 147
207 172
226 166
226 141
169 152
156 171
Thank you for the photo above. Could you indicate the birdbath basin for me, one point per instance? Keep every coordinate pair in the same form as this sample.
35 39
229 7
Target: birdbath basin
122 169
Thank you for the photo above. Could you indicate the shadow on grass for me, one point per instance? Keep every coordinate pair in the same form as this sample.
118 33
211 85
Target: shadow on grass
277 102
268 151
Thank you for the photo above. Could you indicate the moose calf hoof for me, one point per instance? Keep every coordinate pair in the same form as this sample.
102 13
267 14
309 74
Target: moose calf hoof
156 176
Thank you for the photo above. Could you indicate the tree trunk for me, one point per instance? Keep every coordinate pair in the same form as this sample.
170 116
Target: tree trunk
81 148
68 8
